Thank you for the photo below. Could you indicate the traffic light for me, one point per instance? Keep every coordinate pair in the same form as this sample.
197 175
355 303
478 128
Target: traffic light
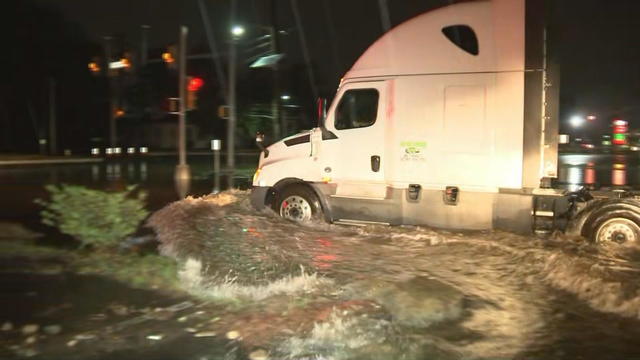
94 66
170 56
194 84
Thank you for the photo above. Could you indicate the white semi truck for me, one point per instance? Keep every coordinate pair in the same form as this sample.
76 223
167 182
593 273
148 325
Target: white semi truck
448 120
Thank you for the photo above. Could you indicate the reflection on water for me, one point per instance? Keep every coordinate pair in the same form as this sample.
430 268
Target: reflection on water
20 185
599 170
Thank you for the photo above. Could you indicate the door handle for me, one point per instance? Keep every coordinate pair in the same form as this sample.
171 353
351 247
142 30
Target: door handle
375 163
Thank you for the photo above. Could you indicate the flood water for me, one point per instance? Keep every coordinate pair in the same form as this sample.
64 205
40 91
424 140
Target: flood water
421 293
20 185
441 294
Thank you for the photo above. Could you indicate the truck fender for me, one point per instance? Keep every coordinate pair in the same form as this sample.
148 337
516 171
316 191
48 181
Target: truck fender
585 222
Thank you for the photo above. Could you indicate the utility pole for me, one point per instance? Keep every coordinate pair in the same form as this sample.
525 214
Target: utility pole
384 15
182 169
53 145
305 49
231 125
277 125
112 93
214 49
144 45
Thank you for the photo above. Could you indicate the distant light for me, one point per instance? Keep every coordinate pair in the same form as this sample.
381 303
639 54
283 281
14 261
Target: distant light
591 117
144 150
563 139
95 151
94 67
195 83
634 148
285 97
131 150
108 151
119 64
168 57
576 121
619 122
120 112
237 30
117 150
574 175
216 144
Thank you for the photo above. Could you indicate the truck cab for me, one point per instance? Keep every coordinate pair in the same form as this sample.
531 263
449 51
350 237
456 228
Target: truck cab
448 120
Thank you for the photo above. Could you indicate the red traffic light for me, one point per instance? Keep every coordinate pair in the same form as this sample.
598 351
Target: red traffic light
195 83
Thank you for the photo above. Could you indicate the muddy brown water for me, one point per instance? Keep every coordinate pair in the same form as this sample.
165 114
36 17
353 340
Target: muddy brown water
447 295
440 294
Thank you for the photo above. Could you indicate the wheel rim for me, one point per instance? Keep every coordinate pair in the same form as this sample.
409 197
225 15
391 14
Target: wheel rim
618 230
296 208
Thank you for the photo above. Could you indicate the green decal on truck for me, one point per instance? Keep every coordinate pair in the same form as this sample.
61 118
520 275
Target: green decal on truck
413 150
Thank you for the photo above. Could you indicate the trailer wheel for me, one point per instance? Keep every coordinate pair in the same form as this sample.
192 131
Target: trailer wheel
298 203
617 228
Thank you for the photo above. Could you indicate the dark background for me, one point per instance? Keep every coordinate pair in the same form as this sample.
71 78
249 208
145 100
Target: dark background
595 41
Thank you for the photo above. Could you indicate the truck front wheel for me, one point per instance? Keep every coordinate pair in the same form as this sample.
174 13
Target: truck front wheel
617 229
298 203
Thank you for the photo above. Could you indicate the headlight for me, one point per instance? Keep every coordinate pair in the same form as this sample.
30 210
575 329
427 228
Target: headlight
256 175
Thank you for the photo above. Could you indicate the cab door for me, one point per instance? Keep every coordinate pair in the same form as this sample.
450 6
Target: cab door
357 157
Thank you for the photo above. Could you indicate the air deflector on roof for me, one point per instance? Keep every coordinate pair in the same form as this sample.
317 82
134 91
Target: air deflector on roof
463 37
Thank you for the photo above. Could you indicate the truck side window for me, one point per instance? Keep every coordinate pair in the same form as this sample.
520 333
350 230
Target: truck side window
357 108
463 36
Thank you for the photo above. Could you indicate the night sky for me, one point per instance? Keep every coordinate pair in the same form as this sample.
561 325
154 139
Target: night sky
596 41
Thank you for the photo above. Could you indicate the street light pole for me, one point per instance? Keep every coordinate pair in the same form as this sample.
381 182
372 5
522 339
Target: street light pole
278 126
144 45
182 169
112 93
53 128
231 125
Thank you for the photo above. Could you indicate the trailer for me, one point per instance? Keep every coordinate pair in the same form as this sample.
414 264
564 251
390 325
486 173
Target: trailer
449 120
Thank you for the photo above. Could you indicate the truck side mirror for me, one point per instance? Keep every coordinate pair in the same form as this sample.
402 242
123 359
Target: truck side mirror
260 143
322 111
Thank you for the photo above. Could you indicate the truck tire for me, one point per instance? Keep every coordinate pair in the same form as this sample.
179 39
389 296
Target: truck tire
620 227
297 202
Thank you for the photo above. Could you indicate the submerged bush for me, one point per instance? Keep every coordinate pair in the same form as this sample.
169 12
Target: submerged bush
93 217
